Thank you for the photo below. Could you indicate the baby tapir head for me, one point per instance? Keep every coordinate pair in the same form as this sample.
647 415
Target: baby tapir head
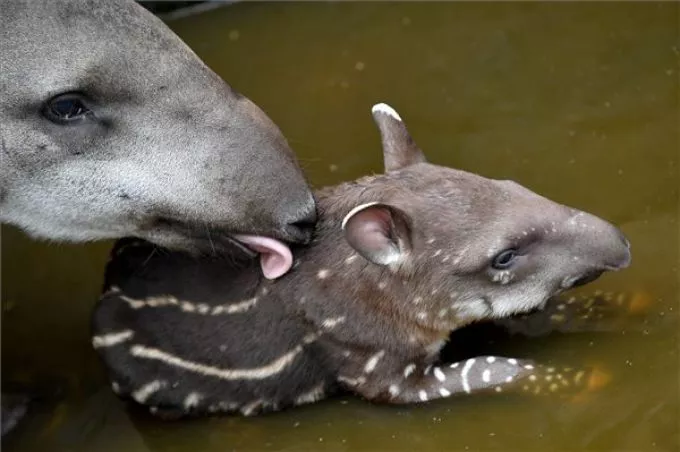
468 247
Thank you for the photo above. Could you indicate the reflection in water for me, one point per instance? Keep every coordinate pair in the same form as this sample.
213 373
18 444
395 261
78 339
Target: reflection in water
576 101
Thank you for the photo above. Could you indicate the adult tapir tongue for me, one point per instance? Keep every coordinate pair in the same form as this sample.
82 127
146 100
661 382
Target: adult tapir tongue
275 257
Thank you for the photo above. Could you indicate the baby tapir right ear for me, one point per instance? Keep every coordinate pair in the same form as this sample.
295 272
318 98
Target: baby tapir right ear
399 149
378 232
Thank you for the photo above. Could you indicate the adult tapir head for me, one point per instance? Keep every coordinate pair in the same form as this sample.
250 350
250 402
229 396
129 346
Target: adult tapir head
111 126
447 247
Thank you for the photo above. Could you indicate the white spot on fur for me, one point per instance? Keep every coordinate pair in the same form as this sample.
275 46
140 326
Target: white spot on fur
486 375
323 274
442 312
464 374
417 300
187 307
512 361
311 396
115 387
386 109
437 253
528 366
142 394
373 361
435 347
444 392
439 375
203 308
504 277
255 373
490 359
422 395
454 365
421 315
249 409
330 323
430 241
508 379
408 370
111 339
350 259
474 309
382 285
235 308
352 381
192 400
394 390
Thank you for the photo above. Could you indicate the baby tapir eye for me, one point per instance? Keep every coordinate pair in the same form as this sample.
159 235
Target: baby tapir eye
66 109
504 259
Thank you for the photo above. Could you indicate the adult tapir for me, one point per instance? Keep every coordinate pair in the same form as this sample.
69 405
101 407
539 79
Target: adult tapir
111 126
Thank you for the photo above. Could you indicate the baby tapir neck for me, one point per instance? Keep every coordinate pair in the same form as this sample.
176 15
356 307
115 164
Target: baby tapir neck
334 284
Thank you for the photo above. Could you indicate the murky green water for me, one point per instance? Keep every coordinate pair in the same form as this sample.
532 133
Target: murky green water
576 101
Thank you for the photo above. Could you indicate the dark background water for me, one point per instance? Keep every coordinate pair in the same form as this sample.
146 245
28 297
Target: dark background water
577 101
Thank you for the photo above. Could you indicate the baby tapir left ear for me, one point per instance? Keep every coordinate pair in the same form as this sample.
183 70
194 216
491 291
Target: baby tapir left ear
399 149
378 232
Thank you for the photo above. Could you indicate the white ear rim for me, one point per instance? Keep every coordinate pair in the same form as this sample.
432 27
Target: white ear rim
386 109
356 210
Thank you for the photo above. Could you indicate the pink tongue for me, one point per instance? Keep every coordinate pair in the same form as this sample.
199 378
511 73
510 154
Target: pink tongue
275 257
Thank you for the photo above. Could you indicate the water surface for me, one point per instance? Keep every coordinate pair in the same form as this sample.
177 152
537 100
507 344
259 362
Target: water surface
576 101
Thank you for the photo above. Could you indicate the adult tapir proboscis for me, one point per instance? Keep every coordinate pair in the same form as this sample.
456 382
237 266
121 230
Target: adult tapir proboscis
398 261
110 126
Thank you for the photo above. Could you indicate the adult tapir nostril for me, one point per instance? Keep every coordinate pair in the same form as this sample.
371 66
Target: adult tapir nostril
300 226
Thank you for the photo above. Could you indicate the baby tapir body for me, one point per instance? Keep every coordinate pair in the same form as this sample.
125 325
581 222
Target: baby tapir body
399 260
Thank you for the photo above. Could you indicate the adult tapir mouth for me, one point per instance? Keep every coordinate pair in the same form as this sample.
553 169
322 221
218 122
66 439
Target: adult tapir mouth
275 255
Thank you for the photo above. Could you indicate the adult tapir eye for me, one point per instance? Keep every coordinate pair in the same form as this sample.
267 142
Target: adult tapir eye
504 259
66 109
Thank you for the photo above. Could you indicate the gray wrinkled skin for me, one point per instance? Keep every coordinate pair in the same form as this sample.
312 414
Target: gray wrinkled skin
170 152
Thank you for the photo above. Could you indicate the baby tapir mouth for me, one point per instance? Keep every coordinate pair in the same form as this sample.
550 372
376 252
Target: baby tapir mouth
571 282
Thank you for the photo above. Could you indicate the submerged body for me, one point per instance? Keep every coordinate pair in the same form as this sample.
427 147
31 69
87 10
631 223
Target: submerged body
398 262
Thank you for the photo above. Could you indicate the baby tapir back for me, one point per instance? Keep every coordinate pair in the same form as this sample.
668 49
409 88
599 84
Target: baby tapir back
399 261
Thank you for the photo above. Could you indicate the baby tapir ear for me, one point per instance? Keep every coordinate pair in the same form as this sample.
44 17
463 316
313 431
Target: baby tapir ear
399 149
378 232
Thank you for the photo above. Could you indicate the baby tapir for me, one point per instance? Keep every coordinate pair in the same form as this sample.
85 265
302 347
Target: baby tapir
399 260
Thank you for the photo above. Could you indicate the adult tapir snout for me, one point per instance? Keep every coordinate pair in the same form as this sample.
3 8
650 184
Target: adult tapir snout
276 194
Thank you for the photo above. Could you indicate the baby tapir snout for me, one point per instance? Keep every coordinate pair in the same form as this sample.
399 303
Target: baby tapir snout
598 246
